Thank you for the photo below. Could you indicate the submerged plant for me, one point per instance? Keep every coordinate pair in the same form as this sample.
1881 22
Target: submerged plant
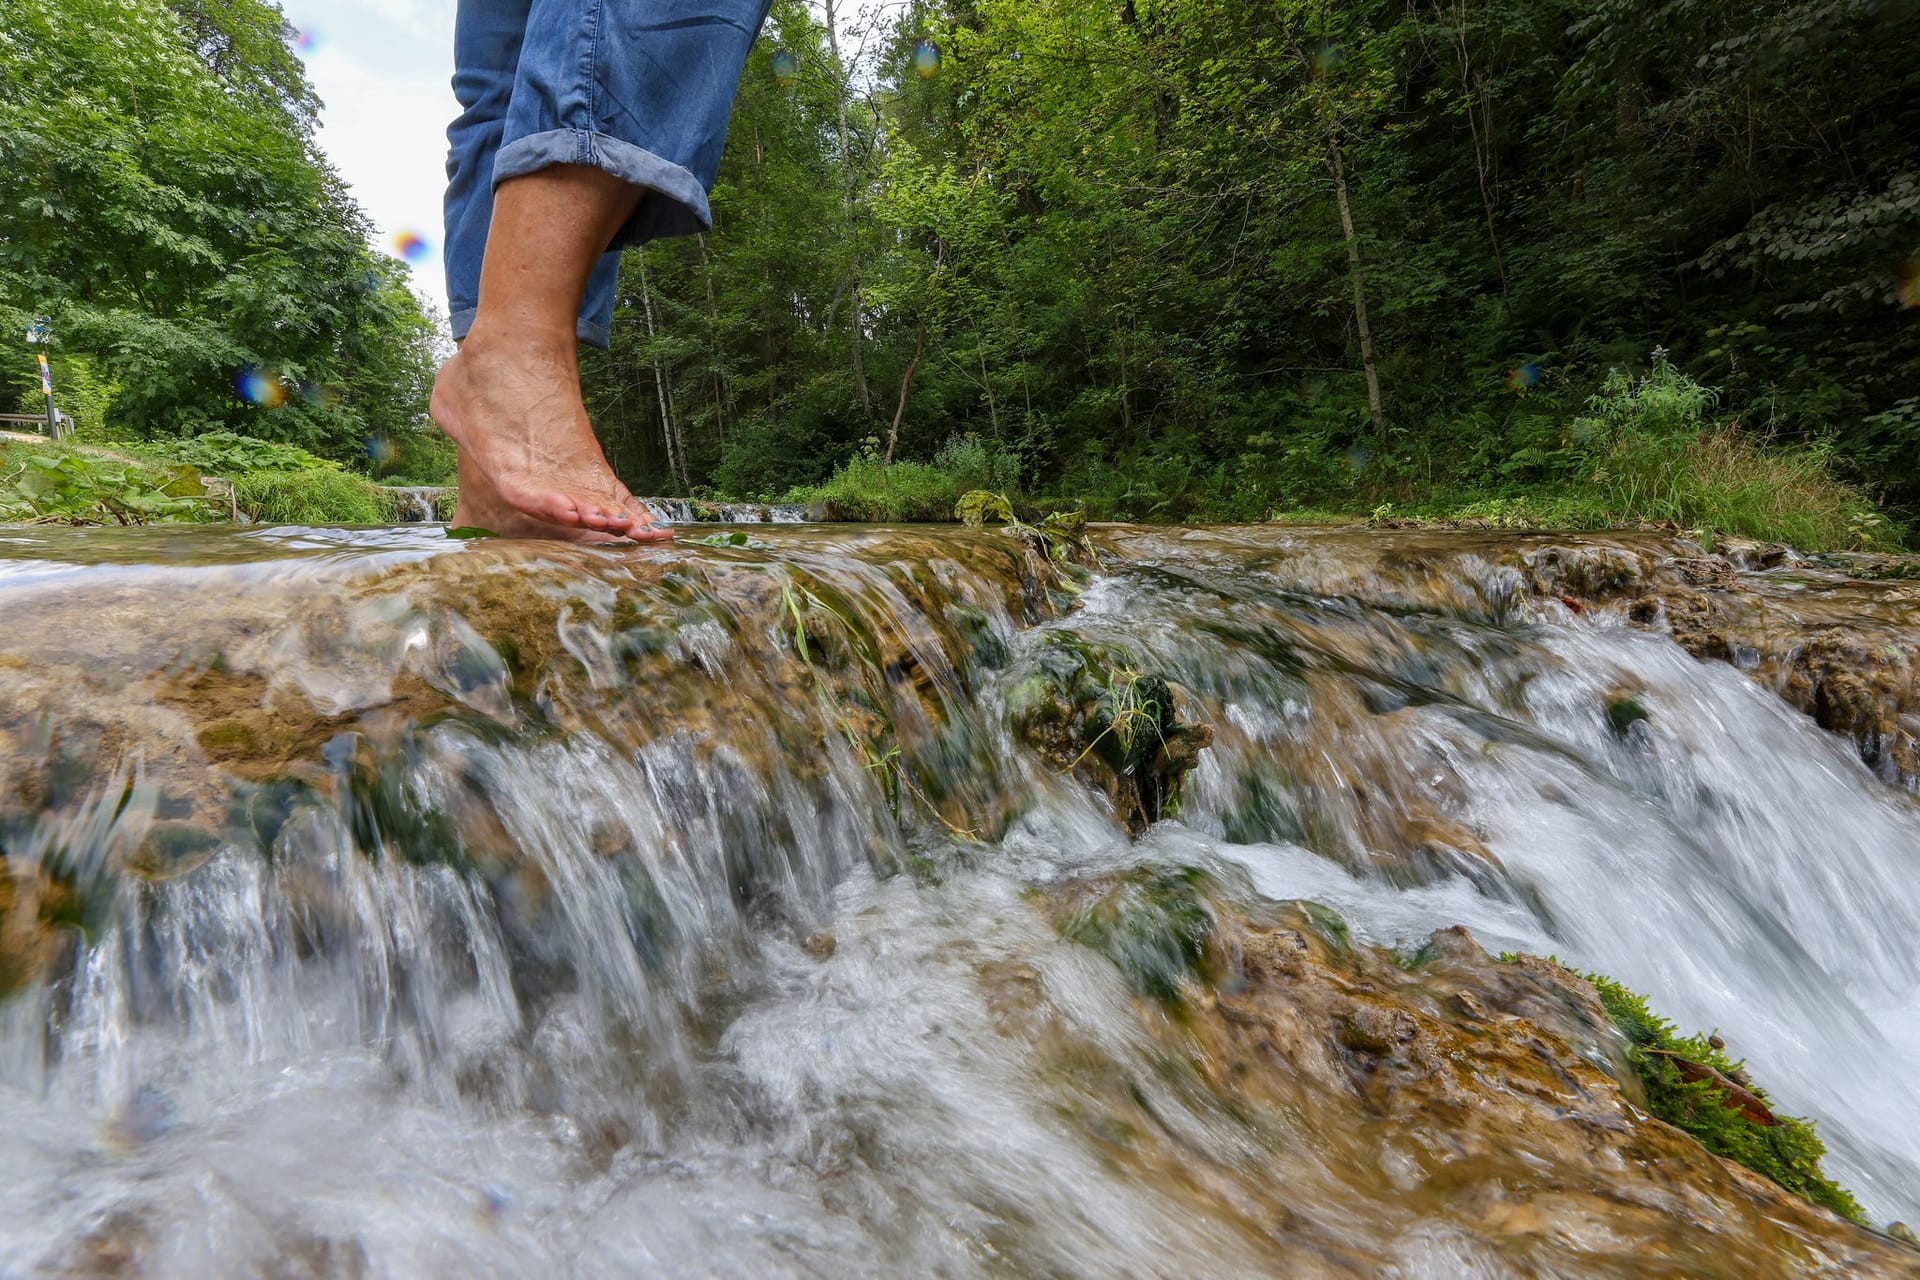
801 604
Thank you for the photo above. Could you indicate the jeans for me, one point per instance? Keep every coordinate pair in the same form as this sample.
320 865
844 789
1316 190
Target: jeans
639 88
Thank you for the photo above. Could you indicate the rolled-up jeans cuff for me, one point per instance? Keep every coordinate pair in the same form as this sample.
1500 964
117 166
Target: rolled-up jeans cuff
594 335
676 201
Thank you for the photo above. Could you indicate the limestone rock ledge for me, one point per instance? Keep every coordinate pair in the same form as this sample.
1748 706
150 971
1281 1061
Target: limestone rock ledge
1447 1090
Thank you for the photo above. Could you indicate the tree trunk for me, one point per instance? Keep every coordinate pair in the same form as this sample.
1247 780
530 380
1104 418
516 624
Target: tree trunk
986 383
1482 161
722 389
669 429
906 385
1338 160
840 91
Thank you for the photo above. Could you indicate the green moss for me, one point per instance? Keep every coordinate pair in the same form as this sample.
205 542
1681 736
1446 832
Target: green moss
1623 713
978 508
1787 1152
1154 924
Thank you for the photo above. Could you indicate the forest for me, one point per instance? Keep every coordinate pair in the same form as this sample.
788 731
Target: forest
164 206
1169 259
1189 258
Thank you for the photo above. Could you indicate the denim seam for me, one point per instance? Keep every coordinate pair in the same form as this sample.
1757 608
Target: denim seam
594 11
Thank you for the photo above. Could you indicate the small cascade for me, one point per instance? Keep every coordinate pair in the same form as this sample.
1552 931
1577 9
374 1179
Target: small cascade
419 504
686 511
670 510
884 902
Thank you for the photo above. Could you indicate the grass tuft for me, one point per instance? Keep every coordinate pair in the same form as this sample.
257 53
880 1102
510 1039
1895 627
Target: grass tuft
315 497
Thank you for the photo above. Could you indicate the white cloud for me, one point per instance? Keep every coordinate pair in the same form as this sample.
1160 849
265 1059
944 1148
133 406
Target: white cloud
383 69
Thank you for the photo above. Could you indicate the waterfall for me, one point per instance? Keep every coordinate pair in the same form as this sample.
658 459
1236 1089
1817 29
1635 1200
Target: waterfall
382 904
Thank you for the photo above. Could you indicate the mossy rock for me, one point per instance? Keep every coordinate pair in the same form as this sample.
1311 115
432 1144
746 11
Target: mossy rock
1691 1084
1089 710
1154 924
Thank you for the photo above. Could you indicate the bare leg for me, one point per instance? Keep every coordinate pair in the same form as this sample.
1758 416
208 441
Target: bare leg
511 397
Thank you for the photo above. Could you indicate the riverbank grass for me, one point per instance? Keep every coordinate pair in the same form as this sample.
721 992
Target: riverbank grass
311 497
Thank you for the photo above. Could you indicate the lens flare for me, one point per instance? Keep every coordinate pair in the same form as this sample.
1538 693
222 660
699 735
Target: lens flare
1359 457
926 59
261 388
411 247
319 396
1908 287
1527 375
786 67
1327 58
381 451
305 40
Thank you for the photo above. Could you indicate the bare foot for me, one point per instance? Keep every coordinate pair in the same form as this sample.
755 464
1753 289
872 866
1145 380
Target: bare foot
517 416
480 506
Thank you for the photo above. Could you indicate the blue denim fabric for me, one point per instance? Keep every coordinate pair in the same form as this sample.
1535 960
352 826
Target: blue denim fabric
639 88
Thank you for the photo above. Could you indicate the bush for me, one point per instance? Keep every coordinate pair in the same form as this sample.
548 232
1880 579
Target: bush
310 497
1652 455
228 453
867 490
423 458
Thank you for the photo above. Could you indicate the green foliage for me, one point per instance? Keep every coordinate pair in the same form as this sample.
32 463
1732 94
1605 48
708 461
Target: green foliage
324 496
1787 1152
163 202
977 508
226 454
1109 242
1155 924
423 457
73 488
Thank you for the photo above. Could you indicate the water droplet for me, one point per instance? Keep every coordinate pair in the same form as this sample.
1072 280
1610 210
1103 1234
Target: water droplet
786 67
411 247
1359 457
926 59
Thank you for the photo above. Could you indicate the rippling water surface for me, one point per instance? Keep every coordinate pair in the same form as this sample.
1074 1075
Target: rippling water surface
494 910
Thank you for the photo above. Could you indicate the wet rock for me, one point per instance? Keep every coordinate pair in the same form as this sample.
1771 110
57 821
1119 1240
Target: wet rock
1494 1098
1090 712
1842 650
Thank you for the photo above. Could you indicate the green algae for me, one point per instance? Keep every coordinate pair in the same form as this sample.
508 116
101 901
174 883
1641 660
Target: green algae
1155 925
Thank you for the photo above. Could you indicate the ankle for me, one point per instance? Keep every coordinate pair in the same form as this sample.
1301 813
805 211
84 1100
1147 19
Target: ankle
521 339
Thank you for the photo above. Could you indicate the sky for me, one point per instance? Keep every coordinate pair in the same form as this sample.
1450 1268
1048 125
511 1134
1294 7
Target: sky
384 70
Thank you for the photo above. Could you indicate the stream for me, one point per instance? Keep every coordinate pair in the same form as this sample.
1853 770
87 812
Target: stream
384 905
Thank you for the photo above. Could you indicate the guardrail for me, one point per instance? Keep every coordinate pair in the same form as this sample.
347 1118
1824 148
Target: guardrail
38 421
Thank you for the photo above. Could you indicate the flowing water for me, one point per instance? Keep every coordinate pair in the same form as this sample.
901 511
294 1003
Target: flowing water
511 910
